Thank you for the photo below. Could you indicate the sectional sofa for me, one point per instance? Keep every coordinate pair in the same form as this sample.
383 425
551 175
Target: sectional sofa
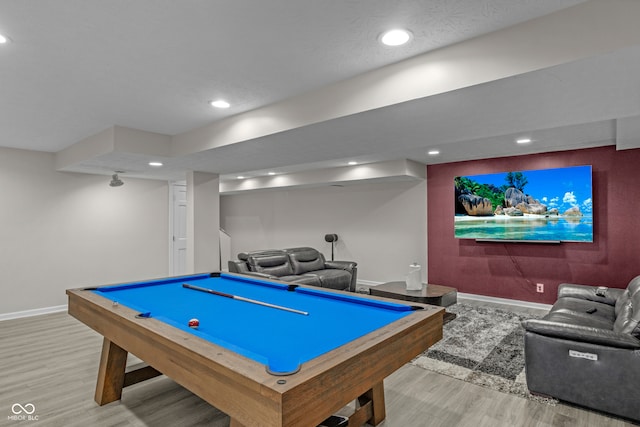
302 265
586 350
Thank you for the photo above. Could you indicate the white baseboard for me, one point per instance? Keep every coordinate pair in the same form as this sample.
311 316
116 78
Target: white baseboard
515 302
369 283
34 312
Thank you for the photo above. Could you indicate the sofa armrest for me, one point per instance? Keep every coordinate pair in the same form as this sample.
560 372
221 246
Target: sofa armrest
237 266
340 265
581 333
586 292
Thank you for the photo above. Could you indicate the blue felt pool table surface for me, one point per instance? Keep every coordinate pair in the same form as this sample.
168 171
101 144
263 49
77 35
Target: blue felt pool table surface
279 339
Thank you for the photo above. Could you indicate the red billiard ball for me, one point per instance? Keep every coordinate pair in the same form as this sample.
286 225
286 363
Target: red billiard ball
194 323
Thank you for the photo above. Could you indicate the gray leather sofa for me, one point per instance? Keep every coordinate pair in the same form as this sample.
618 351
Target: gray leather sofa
305 266
586 350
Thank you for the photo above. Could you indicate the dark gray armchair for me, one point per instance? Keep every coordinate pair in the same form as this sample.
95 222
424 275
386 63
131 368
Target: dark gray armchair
587 349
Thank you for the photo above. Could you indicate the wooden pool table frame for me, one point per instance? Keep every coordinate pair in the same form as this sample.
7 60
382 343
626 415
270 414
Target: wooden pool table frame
241 387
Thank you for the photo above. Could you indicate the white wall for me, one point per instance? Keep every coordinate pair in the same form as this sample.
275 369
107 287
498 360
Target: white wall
381 226
203 222
62 230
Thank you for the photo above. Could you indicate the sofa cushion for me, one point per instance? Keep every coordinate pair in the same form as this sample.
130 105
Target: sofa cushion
304 260
585 309
333 279
568 317
276 264
244 256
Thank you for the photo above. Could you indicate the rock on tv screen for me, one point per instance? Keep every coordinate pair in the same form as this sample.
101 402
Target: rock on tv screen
552 205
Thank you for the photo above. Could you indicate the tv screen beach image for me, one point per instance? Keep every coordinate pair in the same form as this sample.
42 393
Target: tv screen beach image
535 205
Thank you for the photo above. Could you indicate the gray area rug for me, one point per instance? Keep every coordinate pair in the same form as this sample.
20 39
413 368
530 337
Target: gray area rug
483 346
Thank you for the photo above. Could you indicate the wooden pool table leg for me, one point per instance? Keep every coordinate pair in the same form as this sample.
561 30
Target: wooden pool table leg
375 396
112 374
111 371
370 408
379 405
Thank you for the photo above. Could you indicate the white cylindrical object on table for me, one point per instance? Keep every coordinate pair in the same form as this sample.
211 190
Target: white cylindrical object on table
414 278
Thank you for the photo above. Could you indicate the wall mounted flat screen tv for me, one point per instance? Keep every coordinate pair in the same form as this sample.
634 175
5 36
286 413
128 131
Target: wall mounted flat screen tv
546 205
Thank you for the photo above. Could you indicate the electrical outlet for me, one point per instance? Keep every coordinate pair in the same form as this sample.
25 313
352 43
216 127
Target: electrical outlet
540 287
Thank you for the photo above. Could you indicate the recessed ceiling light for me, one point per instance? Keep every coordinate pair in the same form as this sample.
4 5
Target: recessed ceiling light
240 177
220 103
396 37
352 163
523 141
155 164
271 173
3 39
433 152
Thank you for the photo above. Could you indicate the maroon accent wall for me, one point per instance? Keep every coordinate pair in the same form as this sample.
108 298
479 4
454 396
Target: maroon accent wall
511 270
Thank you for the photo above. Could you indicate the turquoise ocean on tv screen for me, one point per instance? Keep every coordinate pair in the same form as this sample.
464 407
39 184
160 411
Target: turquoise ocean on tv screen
517 228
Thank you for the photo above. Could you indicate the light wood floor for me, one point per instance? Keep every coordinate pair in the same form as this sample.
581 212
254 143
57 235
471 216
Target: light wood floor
51 362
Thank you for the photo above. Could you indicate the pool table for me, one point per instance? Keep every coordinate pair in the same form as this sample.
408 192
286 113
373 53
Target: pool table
267 353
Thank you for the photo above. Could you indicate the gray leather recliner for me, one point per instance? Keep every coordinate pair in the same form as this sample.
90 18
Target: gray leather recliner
586 350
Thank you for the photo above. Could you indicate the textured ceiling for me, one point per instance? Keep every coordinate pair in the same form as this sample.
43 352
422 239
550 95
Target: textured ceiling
76 67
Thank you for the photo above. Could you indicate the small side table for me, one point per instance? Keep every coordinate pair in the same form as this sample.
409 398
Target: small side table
443 296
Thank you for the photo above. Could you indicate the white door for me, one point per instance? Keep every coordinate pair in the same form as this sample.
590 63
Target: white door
178 238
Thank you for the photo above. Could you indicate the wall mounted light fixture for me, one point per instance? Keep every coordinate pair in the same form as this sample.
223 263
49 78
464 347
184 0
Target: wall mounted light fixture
115 181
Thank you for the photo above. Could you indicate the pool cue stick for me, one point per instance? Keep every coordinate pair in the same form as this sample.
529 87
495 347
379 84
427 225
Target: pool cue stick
239 298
